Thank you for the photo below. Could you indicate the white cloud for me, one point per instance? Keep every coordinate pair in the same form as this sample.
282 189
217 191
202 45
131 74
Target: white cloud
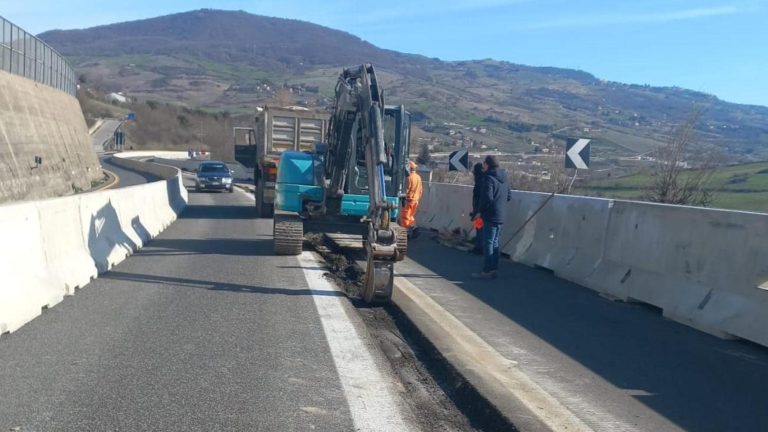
639 18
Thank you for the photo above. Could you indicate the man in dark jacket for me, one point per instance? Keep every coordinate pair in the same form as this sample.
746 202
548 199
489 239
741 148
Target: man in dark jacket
492 208
477 172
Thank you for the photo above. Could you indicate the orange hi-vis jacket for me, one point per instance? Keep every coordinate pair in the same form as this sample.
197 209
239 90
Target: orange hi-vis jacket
414 190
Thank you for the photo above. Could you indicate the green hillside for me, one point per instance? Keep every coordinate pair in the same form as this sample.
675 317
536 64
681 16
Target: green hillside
738 187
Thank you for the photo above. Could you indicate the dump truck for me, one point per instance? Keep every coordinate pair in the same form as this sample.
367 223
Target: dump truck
276 130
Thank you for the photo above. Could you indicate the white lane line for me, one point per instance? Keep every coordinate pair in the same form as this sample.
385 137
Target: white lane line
371 397
248 194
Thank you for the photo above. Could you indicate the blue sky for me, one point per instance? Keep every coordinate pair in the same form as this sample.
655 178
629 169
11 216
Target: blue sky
716 46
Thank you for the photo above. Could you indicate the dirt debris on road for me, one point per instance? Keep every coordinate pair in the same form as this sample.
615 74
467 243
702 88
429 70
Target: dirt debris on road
431 397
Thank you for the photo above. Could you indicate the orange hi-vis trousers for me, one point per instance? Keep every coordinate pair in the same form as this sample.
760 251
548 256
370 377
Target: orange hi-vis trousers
408 214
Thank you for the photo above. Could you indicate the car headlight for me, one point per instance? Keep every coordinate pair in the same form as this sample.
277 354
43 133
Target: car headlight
227 180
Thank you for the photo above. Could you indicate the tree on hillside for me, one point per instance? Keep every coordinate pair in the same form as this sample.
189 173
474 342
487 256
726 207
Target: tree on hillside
424 157
673 182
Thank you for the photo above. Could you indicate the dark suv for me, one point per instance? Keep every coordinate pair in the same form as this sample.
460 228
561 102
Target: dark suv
213 175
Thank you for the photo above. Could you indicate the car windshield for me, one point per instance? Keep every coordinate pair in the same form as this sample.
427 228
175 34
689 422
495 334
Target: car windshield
214 168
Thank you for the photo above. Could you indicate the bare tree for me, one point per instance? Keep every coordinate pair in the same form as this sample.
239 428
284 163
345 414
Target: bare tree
673 182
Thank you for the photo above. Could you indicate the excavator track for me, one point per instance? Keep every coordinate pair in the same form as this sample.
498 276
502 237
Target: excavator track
288 234
402 242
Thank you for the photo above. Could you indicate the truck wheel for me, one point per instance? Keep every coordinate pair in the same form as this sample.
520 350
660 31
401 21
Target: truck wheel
269 210
263 210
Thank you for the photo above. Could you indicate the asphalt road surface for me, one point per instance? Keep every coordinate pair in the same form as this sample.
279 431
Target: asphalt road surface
203 329
127 177
617 366
105 132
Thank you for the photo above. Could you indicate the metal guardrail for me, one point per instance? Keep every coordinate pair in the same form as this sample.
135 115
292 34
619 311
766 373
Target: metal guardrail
23 54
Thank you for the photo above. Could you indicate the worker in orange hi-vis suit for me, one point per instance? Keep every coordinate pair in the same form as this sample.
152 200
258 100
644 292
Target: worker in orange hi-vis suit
411 201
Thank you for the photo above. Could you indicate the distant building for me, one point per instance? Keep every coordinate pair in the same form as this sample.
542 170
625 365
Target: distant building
117 97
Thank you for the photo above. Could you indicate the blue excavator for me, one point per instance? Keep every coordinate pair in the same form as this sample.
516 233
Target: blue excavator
352 183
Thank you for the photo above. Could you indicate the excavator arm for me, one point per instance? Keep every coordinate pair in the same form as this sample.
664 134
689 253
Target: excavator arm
357 120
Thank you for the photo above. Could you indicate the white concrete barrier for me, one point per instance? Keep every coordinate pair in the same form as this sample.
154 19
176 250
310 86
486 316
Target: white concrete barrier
23 293
567 236
706 268
57 245
166 154
445 207
703 267
66 248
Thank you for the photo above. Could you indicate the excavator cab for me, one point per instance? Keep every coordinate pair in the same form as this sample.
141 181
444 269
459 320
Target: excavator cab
355 200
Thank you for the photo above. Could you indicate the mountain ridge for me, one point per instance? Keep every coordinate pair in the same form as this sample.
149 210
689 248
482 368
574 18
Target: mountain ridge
235 60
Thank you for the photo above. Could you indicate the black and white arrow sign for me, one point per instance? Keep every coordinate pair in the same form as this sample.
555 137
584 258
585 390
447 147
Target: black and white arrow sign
459 161
577 153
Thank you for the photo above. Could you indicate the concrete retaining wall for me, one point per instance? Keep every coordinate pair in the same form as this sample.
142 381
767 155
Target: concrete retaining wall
60 244
702 267
37 120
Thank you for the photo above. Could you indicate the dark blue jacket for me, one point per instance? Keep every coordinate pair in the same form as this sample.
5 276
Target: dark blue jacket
493 197
477 190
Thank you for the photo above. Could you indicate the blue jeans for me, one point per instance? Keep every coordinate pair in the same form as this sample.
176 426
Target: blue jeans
491 235
479 240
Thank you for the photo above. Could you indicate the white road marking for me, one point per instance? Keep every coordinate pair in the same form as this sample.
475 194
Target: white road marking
242 192
371 397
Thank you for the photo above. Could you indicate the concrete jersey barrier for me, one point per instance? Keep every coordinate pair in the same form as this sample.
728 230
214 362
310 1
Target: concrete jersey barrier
60 244
705 268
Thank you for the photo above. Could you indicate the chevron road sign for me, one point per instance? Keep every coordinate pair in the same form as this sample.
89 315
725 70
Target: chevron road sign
459 161
577 153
